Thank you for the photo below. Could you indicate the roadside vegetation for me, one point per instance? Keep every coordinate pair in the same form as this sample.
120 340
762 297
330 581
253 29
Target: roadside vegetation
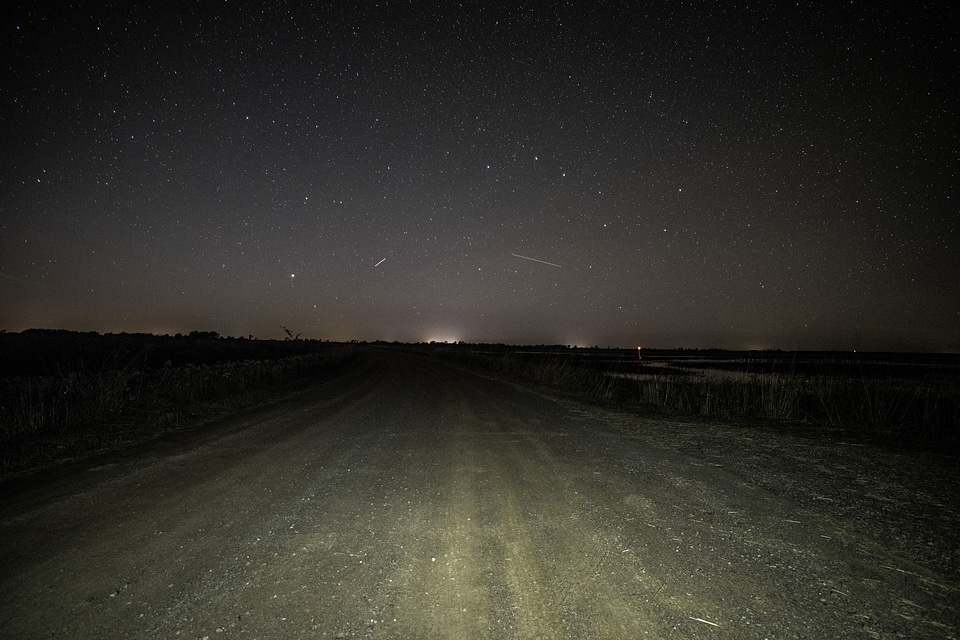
894 399
63 393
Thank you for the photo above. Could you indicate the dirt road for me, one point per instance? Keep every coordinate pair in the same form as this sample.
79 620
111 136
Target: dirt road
413 499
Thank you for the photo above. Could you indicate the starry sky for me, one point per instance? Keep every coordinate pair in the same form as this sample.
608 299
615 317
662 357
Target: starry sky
671 174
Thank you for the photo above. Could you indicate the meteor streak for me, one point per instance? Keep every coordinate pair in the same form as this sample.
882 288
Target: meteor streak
517 255
379 263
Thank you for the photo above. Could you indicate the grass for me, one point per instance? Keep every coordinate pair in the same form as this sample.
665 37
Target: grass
47 417
921 410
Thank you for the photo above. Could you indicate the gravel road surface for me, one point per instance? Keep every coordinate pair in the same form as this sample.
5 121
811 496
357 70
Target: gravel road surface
410 498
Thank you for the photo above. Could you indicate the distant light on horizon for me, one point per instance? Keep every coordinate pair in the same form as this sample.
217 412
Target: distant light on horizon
441 337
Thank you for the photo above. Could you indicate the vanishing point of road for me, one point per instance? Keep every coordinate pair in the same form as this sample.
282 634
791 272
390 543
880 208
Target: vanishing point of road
414 498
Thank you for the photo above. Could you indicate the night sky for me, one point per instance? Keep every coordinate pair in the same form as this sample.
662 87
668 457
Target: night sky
669 174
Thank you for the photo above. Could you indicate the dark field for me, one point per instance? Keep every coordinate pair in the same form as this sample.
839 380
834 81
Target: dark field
896 399
65 393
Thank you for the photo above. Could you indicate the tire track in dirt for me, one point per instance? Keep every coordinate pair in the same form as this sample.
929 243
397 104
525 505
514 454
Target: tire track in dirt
542 563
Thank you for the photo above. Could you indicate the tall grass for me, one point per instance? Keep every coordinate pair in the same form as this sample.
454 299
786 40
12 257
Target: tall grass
922 412
51 413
